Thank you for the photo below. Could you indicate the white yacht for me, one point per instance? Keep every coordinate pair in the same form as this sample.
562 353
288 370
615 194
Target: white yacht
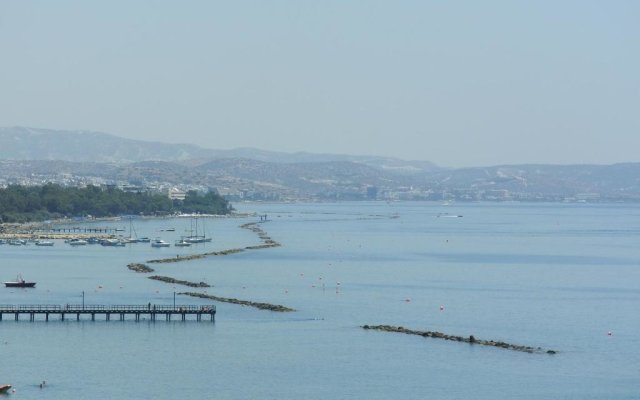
159 243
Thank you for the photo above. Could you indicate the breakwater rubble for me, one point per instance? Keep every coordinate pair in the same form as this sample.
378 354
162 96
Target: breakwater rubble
267 242
179 258
470 339
169 279
141 268
261 306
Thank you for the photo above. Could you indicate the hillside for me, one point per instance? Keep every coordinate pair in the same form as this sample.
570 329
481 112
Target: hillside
34 157
19 143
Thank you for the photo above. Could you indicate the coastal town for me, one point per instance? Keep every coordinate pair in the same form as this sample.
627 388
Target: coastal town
347 184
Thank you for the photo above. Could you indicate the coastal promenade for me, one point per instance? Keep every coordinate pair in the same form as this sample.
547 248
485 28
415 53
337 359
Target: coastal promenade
152 311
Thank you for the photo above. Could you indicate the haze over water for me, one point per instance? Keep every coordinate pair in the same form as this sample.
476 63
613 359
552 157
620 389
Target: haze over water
556 276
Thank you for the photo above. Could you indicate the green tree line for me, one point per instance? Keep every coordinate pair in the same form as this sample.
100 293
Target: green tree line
37 203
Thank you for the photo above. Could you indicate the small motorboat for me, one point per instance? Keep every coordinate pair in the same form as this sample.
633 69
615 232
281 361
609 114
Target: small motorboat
20 283
77 242
5 388
182 243
159 243
44 243
113 243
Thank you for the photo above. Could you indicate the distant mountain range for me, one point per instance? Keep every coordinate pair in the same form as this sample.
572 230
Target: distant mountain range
19 143
39 155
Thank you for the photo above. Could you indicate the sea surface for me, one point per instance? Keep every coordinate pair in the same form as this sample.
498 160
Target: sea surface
559 276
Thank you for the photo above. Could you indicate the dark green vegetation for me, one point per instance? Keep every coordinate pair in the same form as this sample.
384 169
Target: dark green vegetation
37 203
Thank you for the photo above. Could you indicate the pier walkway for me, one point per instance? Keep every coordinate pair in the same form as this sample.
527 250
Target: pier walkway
78 229
153 311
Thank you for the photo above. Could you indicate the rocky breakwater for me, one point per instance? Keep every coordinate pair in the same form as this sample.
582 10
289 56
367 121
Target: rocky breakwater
169 279
141 268
261 306
470 339
195 256
267 242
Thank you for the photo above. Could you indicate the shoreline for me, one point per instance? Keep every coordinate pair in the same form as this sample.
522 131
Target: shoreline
38 229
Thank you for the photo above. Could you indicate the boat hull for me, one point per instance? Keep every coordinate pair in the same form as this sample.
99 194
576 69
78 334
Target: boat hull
20 284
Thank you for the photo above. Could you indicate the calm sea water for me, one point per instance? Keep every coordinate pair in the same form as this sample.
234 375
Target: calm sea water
556 276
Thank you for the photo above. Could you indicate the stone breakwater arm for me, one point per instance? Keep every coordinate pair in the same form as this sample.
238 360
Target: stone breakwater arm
261 306
141 268
169 279
471 339
267 243
195 256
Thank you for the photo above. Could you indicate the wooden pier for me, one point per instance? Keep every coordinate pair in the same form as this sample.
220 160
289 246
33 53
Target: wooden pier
153 311
78 229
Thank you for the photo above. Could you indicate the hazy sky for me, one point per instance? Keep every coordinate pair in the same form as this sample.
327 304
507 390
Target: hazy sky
459 83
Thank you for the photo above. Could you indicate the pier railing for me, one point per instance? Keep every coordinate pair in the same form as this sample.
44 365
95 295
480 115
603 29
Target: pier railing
53 308
152 310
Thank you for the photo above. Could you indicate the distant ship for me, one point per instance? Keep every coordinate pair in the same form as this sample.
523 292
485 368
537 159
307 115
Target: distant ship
19 282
